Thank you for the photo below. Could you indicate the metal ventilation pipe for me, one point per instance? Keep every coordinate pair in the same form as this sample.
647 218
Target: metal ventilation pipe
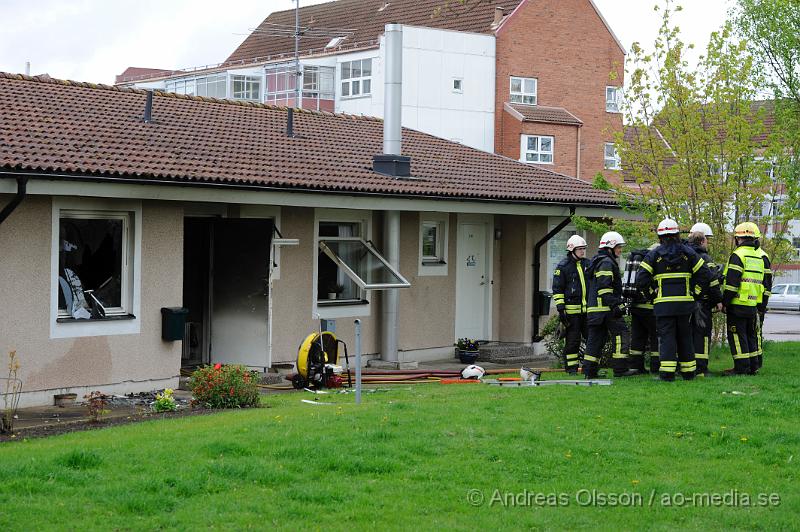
392 141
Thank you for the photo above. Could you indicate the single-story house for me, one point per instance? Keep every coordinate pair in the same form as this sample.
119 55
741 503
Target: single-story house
119 202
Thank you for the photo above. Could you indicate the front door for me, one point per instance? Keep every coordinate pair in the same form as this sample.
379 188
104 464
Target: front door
240 270
472 281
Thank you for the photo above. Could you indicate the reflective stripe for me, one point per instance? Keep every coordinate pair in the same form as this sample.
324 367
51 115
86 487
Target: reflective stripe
678 275
742 356
704 354
735 267
605 291
636 353
603 273
598 309
590 358
668 366
715 282
579 267
751 288
644 305
698 265
688 366
572 356
738 347
646 267
673 298
618 348
729 288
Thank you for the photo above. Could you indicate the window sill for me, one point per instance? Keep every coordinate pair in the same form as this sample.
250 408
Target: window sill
434 263
359 97
532 162
121 317
613 112
341 302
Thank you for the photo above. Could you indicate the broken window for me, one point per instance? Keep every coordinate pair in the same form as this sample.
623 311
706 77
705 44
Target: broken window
93 264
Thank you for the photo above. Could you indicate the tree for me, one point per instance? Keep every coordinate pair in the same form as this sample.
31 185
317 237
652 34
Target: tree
696 146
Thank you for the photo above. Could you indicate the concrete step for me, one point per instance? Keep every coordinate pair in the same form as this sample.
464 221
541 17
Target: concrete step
534 362
513 354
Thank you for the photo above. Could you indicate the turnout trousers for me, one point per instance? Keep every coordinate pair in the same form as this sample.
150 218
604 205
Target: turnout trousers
600 330
743 340
675 346
702 326
576 329
644 338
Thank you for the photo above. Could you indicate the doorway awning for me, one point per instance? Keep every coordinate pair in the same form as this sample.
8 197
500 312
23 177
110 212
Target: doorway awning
362 263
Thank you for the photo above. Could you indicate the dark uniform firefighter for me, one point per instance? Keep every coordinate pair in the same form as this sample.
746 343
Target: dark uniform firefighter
670 271
706 303
605 313
569 294
744 295
762 309
643 322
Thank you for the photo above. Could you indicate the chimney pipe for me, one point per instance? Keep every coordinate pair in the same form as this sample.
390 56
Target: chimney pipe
290 122
499 13
148 108
27 68
393 84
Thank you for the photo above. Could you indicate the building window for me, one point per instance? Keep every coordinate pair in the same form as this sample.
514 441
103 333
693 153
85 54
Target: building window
523 90
357 78
94 264
611 160
613 99
246 87
332 282
214 86
536 149
458 85
557 249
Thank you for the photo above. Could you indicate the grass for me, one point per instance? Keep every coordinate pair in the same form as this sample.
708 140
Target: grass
408 458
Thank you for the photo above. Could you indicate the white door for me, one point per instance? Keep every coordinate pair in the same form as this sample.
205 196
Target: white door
472 282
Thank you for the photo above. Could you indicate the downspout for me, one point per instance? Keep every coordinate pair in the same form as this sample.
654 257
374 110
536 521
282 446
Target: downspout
537 269
22 190
392 144
578 156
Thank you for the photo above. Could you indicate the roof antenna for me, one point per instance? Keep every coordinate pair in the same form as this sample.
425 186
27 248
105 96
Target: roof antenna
148 108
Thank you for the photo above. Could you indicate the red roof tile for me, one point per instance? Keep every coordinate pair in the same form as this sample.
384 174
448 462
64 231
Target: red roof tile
542 114
65 127
139 72
367 19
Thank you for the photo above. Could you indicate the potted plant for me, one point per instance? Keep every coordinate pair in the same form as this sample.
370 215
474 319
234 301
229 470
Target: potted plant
334 290
467 350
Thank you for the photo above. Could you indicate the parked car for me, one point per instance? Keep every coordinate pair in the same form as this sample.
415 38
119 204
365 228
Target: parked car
785 296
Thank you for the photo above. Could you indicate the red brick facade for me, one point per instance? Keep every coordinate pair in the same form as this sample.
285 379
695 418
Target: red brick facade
565 45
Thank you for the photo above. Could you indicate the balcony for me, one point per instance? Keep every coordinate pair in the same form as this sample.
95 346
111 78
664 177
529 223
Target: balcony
318 91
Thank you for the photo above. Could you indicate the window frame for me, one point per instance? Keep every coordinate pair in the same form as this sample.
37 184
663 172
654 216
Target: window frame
617 108
352 274
62 326
460 89
522 93
350 80
616 160
248 80
524 151
434 266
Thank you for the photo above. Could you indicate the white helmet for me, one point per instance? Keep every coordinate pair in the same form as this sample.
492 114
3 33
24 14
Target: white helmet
472 372
611 240
668 226
574 242
700 227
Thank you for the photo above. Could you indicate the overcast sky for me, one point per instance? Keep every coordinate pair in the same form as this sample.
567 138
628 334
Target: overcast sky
93 40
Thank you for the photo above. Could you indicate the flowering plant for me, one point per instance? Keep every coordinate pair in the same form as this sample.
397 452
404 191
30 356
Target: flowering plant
165 402
225 386
467 344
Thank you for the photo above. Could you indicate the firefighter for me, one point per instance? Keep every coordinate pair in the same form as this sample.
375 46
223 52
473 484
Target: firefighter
743 296
667 273
569 293
762 308
705 301
643 322
605 314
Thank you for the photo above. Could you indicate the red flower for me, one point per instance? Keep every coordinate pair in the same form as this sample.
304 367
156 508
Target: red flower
217 366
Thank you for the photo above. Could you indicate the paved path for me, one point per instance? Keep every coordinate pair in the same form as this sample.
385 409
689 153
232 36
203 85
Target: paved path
782 326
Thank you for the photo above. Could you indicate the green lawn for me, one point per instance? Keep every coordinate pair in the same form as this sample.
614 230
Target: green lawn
408 458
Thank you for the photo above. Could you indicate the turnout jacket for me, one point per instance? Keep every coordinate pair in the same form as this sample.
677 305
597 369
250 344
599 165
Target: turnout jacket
748 280
605 284
709 297
668 272
569 285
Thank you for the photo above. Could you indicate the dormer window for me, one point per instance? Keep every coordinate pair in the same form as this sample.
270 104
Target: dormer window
523 90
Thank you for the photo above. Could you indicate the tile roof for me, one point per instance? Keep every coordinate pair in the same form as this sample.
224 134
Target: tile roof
540 113
367 19
63 127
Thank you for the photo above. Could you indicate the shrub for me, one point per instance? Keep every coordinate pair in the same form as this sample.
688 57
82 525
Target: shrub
221 386
96 403
164 402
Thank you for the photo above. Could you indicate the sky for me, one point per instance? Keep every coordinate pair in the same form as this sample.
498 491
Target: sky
93 40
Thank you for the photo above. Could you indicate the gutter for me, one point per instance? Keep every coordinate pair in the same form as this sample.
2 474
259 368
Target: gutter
537 267
22 191
272 188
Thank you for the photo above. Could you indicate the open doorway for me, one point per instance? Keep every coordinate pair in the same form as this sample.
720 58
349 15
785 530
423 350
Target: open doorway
226 290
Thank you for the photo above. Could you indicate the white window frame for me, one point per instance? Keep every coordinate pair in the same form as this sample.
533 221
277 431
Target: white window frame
339 310
613 103
613 162
132 253
360 79
248 79
519 96
524 151
460 83
434 266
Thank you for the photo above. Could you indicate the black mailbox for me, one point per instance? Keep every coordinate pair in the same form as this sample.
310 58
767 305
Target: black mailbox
544 302
173 322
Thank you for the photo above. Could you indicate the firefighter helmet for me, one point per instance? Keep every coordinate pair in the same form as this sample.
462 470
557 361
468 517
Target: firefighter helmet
668 226
575 242
611 240
700 227
747 230
472 372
